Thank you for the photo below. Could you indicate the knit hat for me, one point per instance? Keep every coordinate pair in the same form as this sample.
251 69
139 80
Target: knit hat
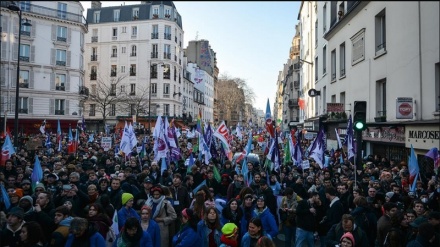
349 236
29 198
126 197
17 212
40 185
18 192
389 194
229 229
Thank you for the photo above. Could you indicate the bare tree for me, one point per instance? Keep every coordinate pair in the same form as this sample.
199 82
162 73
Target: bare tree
104 94
136 102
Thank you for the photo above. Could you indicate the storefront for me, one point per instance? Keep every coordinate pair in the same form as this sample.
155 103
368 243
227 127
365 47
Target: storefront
388 141
32 126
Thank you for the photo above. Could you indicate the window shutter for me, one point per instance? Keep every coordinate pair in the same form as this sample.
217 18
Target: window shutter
32 59
3 76
31 79
68 57
4 54
52 107
13 77
52 81
14 51
54 32
15 26
5 24
12 104
69 35
67 82
33 29
30 105
52 56
2 104
67 106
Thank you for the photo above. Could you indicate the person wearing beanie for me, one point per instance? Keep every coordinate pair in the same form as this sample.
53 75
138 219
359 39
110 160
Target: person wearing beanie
127 210
267 218
15 197
347 240
187 236
230 235
11 232
347 225
84 234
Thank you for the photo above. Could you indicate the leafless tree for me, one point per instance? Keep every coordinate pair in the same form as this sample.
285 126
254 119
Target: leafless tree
135 102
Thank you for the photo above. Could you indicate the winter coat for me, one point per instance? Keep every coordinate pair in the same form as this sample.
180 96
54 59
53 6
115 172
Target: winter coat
187 237
246 240
59 236
154 231
203 231
144 240
95 239
124 214
268 221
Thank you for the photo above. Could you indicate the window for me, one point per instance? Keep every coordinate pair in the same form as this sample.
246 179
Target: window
124 29
342 60
154 71
175 73
113 71
62 10
166 109
112 110
154 88
437 87
166 71
380 32
132 89
316 69
358 47
166 51
123 50
122 69
333 64
25 52
23 105
96 16
132 69
324 17
115 32
167 34
114 51
24 79
166 88
93 73
116 13
381 98
59 106
135 13
333 100
342 98
316 34
60 82
155 11
62 33
93 89
134 31
167 13
25 6
324 60
113 90
92 110
132 109
155 33
133 51
154 49
61 57
26 30
122 88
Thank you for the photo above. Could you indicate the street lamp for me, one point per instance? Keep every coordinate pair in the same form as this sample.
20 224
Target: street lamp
149 94
15 8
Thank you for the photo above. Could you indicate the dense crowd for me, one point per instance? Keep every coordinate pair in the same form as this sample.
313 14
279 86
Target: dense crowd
98 198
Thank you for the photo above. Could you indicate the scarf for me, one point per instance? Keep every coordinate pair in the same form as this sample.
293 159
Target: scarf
292 202
258 212
128 241
228 241
156 205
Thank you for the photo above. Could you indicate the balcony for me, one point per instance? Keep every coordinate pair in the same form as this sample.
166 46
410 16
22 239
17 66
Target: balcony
166 76
114 37
25 33
132 93
50 12
25 111
60 88
166 55
59 112
94 58
334 76
342 72
381 117
154 54
114 55
167 36
154 75
154 35
24 59
296 84
167 96
113 73
133 54
60 63
83 91
61 39
93 77
132 73
24 85
293 103
94 39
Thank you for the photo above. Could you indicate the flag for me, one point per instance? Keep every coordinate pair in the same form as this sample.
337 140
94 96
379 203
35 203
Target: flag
190 163
83 124
143 151
37 172
91 138
48 143
107 129
59 136
216 174
349 140
5 198
274 152
160 146
269 123
199 122
298 149
198 187
222 133
43 127
71 143
339 139
132 137
7 149
169 137
163 166
317 150
287 155
238 132
434 154
115 224
157 127
247 150
124 146
413 167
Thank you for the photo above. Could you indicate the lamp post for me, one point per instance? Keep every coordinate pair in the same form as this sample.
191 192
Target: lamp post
15 8
149 95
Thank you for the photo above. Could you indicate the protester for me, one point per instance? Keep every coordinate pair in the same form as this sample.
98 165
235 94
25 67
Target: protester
187 236
150 226
133 235
84 234
31 235
230 234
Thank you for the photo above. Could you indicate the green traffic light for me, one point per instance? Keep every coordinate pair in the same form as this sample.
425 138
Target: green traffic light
359 125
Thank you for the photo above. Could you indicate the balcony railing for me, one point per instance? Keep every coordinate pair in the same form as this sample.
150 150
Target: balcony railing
25 33
132 93
342 72
60 88
93 77
166 76
132 73
24 59
62 39
154 35
154 75
83 91
167 36
55 13
154 54
114 37
112 74
94 58
114 55
61 63
166 55
59 112
94 39
25 111
24 85
133 54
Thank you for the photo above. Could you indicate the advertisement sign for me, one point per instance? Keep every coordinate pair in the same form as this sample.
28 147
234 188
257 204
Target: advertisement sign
106 143
404 108
335 107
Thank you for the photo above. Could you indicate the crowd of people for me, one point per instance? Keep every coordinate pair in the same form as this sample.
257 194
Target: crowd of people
98 198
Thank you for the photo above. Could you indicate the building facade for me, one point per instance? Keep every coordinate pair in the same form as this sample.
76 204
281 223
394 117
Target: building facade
204 95
51 74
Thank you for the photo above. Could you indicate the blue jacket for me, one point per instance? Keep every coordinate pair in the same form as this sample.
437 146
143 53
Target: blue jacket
244 223
124 214
246 240
154 231
145 240
268 222
276 188
96 240
186 237
203 231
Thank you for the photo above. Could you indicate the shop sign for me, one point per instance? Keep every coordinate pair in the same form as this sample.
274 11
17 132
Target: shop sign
384 134
422 137
335 107
404 108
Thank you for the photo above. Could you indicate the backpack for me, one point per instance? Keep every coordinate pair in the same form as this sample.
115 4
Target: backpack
363 222
110 237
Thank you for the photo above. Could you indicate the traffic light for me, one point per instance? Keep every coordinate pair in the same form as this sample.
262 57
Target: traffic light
360 115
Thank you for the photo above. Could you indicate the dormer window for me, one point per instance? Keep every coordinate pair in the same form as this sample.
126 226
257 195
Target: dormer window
135 13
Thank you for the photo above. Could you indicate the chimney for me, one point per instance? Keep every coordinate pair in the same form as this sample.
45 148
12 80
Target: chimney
146 2
96 4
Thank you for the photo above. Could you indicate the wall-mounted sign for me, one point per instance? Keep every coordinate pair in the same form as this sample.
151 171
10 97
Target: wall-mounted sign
313 92
422 137
335 107
404 108
384 134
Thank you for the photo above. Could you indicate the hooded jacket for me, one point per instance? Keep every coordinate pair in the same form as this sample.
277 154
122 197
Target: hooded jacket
90 238
59 236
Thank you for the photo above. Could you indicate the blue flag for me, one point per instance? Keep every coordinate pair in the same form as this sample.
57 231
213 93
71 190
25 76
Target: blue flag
37 172
163 166
91 138
317 150
5 198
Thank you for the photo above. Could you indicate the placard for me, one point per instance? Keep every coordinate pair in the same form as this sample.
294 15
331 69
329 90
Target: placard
106 143
305 164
